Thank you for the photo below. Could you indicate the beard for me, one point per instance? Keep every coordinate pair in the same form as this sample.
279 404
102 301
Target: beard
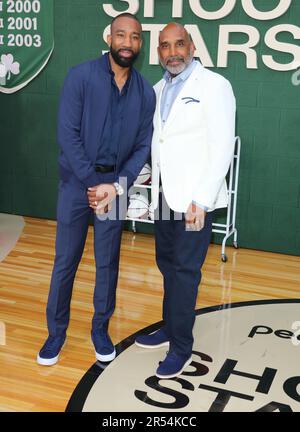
176 70
124 61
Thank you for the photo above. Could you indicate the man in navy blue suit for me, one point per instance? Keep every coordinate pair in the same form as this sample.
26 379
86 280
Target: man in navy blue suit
104 133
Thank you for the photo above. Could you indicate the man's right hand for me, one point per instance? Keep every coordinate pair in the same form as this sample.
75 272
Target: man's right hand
101 196
195 218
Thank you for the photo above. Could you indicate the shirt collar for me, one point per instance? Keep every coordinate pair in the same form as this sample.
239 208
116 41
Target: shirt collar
183 76
106 64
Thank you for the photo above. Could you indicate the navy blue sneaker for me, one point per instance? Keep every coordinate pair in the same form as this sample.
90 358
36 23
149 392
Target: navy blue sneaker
104 348
49 353
153 340
173 365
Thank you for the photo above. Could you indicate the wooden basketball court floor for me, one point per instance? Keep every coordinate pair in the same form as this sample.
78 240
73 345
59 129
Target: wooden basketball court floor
24 282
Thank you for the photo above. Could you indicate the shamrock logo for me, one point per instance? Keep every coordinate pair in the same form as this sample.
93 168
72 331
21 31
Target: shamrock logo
8 66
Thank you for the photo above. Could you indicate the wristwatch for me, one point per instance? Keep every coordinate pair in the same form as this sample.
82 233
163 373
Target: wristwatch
118 188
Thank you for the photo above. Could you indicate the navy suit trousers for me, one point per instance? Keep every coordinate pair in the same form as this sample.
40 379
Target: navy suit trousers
73 216
180 255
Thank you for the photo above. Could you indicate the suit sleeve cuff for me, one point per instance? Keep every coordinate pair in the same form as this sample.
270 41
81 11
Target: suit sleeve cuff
91 181
126 179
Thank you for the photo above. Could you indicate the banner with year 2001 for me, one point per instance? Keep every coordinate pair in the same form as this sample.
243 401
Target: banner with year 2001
26 41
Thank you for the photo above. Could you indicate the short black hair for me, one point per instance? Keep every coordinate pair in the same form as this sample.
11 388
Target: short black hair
125 15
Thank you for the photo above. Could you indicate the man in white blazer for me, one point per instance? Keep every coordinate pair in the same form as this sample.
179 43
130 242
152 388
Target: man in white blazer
192 147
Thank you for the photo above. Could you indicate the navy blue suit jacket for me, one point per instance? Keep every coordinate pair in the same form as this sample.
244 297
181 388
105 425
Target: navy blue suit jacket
83 106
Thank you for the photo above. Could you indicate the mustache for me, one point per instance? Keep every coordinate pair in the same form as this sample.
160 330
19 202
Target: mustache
125 49
174 58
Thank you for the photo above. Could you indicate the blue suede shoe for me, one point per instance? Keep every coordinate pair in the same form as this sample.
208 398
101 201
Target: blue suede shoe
173 365
104 348
49 353
153 340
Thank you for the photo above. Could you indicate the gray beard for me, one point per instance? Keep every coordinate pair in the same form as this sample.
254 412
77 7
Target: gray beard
176 70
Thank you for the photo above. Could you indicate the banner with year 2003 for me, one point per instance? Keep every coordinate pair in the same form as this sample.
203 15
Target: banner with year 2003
26 41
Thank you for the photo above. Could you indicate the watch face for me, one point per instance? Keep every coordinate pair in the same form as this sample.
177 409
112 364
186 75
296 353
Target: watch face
119 188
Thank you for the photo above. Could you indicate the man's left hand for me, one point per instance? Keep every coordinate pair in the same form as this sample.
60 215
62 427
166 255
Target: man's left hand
101 197
194 218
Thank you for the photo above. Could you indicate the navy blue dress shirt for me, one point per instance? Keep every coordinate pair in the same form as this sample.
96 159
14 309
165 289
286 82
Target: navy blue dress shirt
110 139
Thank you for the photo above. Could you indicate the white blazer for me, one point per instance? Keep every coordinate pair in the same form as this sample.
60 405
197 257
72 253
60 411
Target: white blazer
194 149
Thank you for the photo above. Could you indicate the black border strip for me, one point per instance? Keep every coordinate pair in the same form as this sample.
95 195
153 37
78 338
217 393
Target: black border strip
80 394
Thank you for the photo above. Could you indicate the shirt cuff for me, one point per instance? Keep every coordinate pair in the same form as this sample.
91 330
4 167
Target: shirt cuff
200 205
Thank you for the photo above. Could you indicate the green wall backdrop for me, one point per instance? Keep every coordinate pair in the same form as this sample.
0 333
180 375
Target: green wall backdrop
268 120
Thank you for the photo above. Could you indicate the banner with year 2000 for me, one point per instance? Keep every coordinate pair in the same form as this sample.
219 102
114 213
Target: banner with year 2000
26 41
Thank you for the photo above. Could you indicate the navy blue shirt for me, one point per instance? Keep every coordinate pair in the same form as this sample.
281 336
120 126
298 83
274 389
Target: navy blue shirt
110 139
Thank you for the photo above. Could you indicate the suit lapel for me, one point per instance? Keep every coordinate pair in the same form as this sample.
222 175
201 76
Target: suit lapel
157 120
100 96
187 87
